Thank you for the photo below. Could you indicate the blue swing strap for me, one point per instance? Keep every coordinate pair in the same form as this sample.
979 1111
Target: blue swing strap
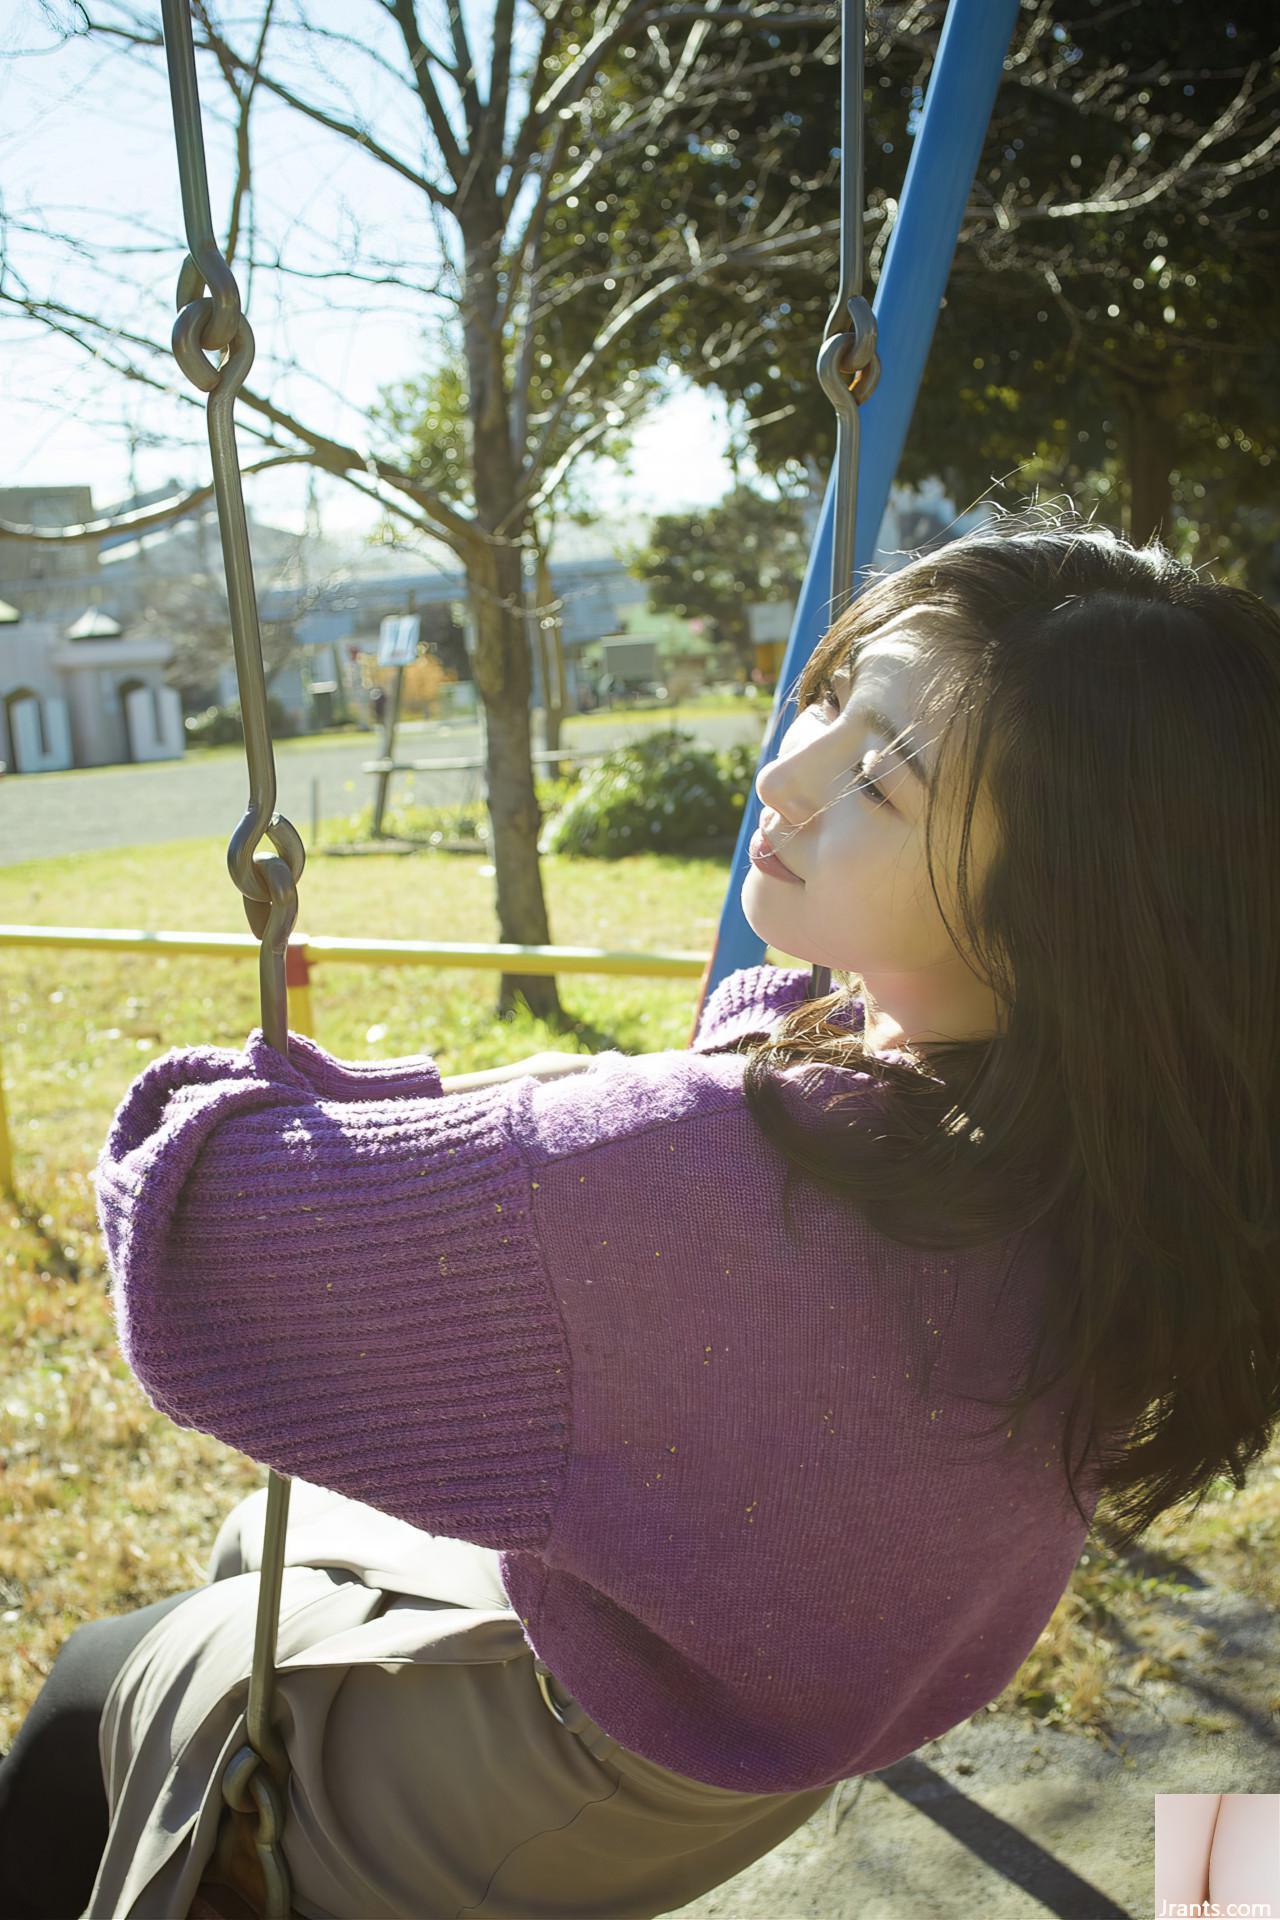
945 150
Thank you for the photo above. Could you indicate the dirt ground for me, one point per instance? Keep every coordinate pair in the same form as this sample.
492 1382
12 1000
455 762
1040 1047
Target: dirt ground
1008 1821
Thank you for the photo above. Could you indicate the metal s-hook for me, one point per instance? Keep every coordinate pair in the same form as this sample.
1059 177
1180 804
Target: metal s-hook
258 1774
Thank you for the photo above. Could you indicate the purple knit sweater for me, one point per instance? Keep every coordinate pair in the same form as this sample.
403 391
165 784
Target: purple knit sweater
731 1466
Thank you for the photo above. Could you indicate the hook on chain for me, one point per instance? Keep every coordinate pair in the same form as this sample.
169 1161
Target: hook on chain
188 340
208 323
273 879
249 1786
215 324
199 322
848 362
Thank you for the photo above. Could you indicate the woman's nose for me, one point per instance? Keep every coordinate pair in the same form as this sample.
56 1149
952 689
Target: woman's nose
776 795
787 787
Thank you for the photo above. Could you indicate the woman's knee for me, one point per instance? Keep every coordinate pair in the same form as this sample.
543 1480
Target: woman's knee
80 1659
92 1654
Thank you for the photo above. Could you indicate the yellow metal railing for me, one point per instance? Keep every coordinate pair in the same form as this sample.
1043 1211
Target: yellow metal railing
308 950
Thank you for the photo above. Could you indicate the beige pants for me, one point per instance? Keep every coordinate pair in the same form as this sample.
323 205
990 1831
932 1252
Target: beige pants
431 1779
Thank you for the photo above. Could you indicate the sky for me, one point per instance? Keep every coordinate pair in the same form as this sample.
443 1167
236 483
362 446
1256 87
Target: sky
86 145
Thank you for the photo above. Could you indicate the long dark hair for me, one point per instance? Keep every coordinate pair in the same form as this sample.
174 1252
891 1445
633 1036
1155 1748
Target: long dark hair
1121 715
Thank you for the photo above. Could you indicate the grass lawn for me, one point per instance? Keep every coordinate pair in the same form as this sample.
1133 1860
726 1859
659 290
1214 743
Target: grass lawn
109 1506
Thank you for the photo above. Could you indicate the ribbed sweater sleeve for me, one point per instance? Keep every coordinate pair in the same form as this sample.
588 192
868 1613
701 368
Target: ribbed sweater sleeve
750 1002
332 1267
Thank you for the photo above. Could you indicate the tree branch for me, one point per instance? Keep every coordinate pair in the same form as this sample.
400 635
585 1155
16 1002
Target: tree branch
322 451
466 73
526 266
402 512
404 13
244 101
140 518
577 446
567 89
337 457
753 250
68 322
361 46
500 77
325 275
348 129
531 129
1183 168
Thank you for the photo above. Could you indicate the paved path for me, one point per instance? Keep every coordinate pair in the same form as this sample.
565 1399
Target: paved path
132 806
1002 1819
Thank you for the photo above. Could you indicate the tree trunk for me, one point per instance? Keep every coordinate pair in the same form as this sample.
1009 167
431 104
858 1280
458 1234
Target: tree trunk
1151 454
501 666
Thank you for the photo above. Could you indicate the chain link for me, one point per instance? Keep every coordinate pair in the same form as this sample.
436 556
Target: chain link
848 368
848 364
214 322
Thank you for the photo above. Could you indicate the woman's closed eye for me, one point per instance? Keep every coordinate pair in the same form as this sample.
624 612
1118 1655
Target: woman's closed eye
829 700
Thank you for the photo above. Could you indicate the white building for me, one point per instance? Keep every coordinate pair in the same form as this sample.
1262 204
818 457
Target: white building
88 695
76 688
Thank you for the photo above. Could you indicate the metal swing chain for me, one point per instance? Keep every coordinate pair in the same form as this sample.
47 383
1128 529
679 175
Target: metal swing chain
848 365
257 1775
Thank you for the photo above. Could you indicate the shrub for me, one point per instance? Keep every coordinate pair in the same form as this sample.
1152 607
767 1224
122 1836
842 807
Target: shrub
660 794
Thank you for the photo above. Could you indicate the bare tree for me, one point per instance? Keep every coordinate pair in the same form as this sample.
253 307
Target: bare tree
190 612
496 177
575 177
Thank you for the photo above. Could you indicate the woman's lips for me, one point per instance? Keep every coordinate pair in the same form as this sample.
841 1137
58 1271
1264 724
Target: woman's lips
768 860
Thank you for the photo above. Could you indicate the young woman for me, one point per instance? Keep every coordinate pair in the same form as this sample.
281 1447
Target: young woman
679 1435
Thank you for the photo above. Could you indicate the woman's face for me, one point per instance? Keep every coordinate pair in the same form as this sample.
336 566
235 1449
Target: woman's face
865 904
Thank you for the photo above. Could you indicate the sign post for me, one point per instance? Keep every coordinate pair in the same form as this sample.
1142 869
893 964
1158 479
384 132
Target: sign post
398 648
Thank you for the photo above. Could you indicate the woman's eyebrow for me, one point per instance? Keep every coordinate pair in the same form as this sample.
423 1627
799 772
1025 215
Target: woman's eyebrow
875 717
882 724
